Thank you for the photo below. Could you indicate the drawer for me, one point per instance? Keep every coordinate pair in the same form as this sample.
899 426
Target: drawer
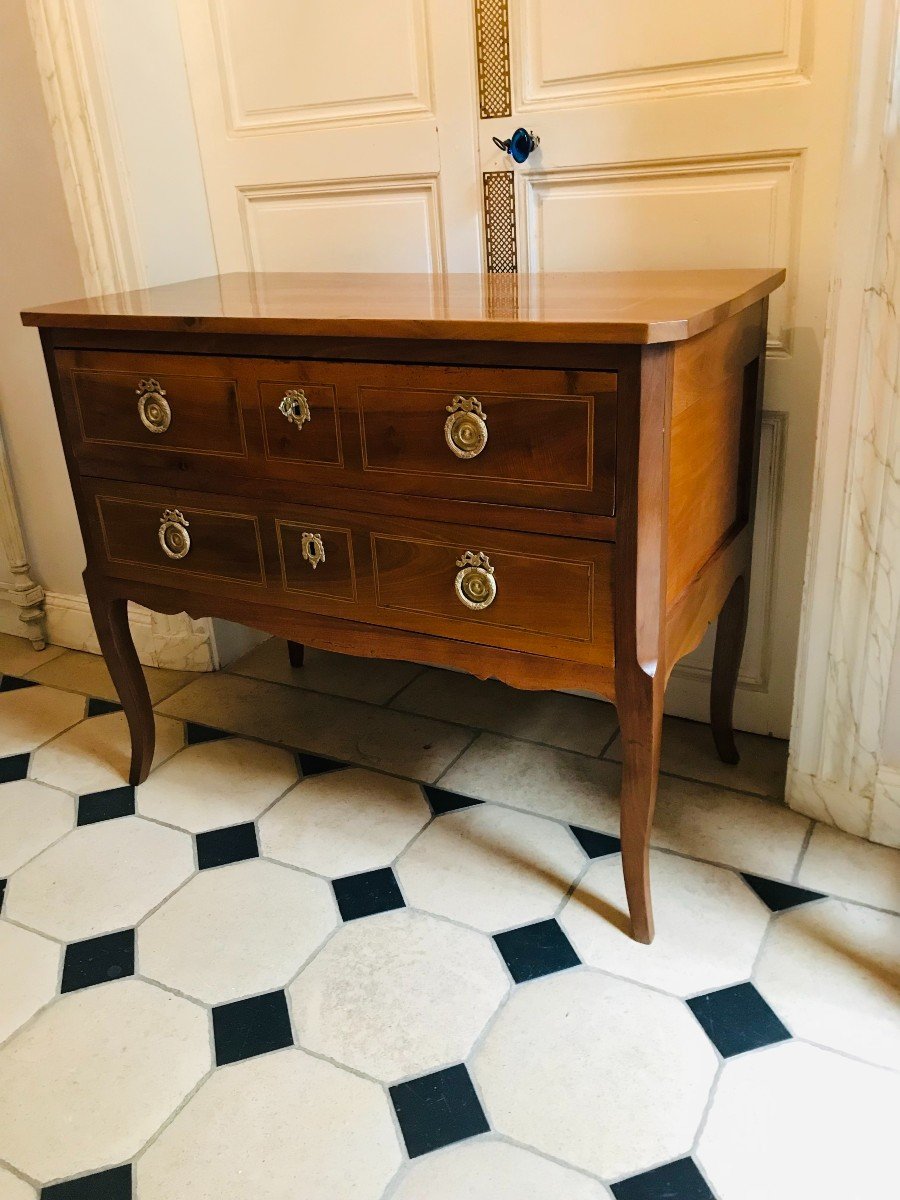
153 402
509 436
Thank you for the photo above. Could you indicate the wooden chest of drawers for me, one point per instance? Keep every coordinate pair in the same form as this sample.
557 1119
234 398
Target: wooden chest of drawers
550 481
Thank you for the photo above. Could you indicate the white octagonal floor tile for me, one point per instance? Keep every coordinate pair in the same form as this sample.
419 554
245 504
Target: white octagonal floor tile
488 1170
13 1188
32 817
343 822
398 994
598 1072
795 1121
31 716
237 931
843 865
97 753
214 784
278 1126
95 1075
832 973
490 867
99 878
29 970
709 925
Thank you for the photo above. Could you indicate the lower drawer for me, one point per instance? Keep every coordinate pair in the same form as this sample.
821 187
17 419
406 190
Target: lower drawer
518 591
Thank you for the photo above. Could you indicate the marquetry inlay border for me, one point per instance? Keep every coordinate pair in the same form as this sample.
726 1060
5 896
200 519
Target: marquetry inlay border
500 250
492 50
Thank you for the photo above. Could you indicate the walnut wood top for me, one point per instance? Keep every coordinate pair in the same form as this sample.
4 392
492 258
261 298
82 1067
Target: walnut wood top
615 307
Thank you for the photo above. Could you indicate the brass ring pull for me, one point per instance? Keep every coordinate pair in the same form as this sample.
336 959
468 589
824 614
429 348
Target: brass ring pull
153 407
173 533
313 549
295 407
475 584
465 430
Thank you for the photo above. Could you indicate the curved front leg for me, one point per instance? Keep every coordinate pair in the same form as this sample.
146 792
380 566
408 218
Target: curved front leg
110 616
730 632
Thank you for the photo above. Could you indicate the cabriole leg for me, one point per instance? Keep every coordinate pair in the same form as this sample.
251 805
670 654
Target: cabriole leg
295 654
640 721
730 631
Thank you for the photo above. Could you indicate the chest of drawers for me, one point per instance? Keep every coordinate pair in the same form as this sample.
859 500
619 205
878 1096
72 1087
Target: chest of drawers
548 479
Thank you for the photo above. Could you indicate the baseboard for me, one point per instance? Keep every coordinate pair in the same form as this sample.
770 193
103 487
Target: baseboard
176 642
875 817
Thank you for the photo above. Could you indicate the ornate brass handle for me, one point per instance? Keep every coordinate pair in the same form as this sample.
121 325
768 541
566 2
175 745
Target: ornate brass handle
173 533
295 407
313 549
465 430
153 407
475 584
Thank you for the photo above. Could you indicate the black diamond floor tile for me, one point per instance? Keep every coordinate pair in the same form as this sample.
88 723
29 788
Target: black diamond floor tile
13 683
679 1180
596 845
779 896
195 734
104 1185
312 764
246 1028
535 950
444 802
737 1019
13 767
99 708
105 806
437 1109
366 894
234 843
98 960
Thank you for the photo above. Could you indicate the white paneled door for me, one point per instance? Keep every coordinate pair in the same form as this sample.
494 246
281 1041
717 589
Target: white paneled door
707 133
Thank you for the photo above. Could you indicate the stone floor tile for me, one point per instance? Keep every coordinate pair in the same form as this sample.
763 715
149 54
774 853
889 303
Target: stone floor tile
795 1121
32 816
31 716
11 1187
281 1125
843 865
82 1086
747 832
490 867
556 718
217 783
709 925
18 656
345 729
854 954
438 1109
237 931
493 1170
688 750
99 878
77 671
343 822
539 779
252 1026
96 754
368 893
598 1072
29 970
373 680
398 994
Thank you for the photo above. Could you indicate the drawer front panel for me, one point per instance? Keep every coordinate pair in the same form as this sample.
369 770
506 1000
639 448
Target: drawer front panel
300 422
157 402
524 437
316 559
202 543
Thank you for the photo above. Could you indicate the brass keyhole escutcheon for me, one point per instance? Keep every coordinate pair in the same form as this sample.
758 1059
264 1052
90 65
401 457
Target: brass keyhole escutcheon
295 407
153 407
475 584
465 430
173 533
313 549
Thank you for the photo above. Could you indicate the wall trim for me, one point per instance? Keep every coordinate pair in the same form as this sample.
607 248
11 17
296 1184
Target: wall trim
95 183
851 602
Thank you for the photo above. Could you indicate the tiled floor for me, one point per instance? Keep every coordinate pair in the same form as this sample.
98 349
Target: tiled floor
362 935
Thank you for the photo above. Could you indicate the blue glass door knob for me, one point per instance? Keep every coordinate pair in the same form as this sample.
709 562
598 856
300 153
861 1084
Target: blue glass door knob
519 146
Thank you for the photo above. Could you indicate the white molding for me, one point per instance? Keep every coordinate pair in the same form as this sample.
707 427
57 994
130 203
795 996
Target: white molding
24 594
852 596
95 183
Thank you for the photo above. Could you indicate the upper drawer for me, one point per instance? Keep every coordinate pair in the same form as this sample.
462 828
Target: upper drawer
161 402
544 438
